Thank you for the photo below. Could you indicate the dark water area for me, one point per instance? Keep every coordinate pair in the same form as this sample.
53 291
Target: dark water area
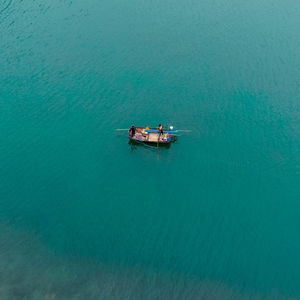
86 215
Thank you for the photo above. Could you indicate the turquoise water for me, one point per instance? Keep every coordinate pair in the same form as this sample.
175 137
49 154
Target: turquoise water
84 214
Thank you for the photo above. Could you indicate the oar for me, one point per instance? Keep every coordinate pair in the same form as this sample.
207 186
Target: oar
184 130
157 149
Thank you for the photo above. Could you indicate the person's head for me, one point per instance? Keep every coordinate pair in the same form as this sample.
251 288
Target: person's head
159 125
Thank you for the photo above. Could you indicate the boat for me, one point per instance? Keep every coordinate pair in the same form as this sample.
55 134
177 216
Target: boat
151 135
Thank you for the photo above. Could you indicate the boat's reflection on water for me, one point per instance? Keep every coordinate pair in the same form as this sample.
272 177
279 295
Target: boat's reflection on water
134 145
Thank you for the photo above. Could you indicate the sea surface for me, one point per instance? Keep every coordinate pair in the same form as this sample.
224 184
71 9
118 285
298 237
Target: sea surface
84 214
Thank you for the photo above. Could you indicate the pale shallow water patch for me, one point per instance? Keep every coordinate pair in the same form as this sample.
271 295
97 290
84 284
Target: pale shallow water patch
30 271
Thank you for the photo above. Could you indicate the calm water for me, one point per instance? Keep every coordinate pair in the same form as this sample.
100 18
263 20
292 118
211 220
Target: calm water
84 214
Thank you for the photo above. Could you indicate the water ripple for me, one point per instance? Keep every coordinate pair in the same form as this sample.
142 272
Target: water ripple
6 5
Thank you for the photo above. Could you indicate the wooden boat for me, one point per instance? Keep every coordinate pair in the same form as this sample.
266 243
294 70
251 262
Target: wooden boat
152 135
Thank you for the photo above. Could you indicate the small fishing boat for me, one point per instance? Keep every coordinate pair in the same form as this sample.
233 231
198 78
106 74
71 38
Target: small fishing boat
152 135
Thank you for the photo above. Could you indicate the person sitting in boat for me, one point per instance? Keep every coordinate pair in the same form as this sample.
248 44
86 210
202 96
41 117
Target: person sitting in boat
132 131
145 131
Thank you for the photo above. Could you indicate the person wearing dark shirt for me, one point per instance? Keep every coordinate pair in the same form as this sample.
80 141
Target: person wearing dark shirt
132 131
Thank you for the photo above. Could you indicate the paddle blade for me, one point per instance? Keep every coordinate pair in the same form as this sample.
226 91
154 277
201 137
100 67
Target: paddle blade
184 130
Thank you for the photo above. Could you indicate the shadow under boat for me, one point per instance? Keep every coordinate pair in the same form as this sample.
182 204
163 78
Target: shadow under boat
135 143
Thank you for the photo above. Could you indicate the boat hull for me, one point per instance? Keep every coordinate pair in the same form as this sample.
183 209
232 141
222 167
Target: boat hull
152 136
149 142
